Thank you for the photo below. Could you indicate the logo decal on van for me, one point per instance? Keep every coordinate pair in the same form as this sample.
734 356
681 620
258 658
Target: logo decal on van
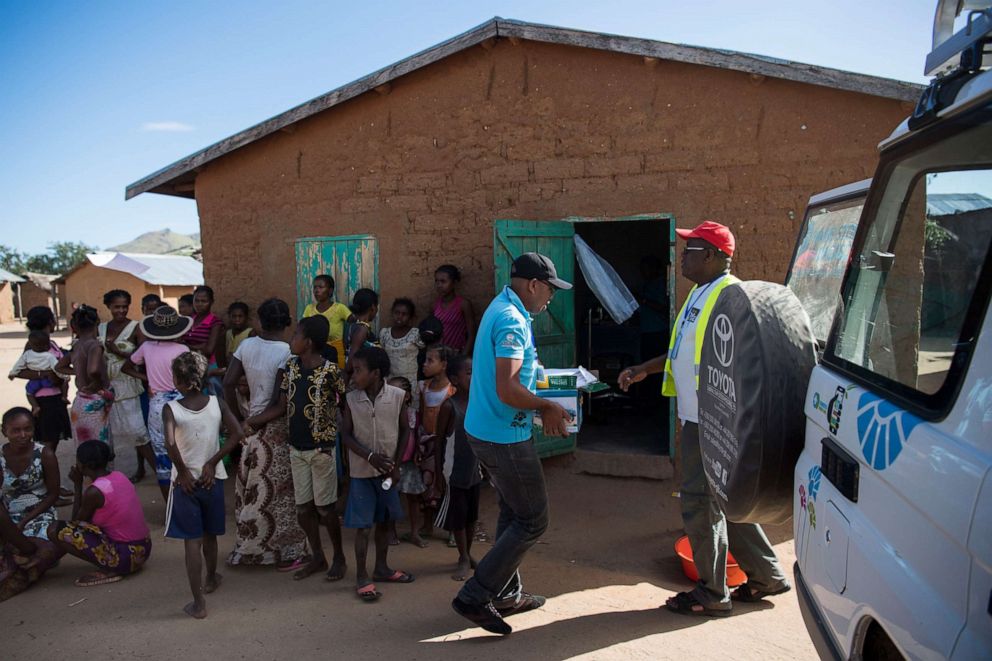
808 495
883 429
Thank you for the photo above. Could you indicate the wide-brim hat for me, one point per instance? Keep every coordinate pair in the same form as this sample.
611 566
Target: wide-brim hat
165 324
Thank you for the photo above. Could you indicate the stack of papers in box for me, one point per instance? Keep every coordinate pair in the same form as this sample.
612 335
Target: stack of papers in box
585 380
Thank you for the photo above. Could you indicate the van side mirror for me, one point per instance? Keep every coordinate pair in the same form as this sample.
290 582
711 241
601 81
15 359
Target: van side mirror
879 261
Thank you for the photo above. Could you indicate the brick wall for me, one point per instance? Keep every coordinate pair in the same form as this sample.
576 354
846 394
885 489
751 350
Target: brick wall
539 132
32 295
6 302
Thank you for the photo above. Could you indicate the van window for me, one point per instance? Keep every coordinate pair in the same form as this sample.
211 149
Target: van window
910 303
821 259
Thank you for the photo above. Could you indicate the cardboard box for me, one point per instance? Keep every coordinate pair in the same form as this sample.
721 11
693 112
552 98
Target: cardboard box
568 400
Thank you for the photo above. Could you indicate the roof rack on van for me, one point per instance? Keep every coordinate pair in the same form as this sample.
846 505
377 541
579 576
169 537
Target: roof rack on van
956 56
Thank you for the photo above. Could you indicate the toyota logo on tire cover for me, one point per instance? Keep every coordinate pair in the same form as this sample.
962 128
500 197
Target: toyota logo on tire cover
723 340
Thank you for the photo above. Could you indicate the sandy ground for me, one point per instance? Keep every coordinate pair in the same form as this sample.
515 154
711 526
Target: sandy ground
606 564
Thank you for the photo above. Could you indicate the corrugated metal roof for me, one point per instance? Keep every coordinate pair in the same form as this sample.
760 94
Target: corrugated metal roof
948 204
41 280
153 269
7 276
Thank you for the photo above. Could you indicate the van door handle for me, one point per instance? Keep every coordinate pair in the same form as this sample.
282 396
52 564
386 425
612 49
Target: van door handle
843 470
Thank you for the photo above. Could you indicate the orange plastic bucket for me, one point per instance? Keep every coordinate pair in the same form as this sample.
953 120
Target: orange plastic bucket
683 549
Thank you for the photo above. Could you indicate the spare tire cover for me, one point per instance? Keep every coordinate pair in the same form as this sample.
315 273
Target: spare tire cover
755 366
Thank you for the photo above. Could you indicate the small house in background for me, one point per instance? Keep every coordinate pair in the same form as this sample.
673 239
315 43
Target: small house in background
39 289
515 136
169 276
8 286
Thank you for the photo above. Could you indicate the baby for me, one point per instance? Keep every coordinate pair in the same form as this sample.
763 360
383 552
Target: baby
37 358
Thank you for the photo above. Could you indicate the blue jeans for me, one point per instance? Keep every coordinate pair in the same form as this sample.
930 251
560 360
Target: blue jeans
516 473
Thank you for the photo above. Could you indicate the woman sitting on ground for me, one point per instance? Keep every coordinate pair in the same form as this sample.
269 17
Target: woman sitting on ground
29 487
108 527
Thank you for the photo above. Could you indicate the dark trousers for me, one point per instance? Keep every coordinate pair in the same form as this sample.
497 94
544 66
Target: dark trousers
710 534
516 474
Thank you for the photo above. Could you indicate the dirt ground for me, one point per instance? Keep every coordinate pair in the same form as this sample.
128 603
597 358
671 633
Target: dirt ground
605 564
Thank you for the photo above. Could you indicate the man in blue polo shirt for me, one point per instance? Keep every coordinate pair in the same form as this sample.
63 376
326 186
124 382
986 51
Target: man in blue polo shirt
498 422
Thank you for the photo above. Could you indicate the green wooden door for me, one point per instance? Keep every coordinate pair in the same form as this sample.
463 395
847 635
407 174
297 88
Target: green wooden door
353 262
554 329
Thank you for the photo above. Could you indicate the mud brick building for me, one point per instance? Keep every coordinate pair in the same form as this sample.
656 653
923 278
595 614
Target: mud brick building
168 276
453 154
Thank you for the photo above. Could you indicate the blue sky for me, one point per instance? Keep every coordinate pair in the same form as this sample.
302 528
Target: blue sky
97 95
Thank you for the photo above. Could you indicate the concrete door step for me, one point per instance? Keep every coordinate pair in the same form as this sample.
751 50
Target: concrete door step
618 464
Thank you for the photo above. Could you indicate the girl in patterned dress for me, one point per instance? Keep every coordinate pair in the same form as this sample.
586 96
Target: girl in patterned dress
107 527
29 489
30 478
264 507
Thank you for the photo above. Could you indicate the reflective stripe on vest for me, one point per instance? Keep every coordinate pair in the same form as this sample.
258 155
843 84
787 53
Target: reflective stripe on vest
668 385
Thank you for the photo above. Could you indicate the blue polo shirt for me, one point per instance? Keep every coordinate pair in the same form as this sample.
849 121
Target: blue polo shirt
505 332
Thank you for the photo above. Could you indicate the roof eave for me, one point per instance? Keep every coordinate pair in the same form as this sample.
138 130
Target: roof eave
714 57
179 178
161 181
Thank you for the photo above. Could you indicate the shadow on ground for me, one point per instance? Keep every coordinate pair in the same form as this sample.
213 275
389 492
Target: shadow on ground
606 564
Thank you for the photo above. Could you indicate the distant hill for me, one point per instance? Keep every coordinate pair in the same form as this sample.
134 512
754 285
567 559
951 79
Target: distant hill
162 242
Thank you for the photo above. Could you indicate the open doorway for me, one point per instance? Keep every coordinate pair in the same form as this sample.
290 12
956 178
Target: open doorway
640 249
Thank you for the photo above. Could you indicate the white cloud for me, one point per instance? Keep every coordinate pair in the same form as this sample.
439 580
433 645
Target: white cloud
166 127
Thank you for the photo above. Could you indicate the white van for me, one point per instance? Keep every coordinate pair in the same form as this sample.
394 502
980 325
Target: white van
893 489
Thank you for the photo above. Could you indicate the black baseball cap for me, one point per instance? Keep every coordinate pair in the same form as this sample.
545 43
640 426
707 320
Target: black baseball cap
534 266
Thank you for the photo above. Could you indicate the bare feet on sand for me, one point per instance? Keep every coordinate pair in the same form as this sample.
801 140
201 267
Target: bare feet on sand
199 612
464 570
211 585
312 567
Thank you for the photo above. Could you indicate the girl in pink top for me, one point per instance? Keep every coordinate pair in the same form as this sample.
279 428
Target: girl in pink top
108 527
456 313
208 329
156 354
207 337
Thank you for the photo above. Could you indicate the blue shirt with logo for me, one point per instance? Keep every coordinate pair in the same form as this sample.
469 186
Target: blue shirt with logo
505 332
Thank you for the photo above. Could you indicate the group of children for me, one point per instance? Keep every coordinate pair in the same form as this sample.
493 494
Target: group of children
385 409
360 409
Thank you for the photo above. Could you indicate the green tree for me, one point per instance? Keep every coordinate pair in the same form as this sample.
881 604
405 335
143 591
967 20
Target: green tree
12 259
62 257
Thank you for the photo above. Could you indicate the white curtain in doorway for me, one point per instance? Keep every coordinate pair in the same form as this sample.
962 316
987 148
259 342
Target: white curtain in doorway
605 283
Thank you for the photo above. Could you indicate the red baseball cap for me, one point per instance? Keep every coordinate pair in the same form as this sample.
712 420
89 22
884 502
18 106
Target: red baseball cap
717 235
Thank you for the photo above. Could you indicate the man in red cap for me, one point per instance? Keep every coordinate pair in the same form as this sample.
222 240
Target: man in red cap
706 262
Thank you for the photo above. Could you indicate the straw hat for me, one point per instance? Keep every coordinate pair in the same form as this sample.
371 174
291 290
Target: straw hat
165 324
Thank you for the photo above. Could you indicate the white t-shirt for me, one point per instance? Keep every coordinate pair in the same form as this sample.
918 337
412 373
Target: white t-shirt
198 437
35 361
261 360
684 362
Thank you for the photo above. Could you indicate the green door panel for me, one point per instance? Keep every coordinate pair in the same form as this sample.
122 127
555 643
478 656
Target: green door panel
554 329
353 262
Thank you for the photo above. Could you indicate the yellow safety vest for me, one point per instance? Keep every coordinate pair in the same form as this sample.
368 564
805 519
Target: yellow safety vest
668 386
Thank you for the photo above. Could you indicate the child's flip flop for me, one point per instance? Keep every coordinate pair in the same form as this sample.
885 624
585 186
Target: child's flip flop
97 578
299 563
396 577
368 592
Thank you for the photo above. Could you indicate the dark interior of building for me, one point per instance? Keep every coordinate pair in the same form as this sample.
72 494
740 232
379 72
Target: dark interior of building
638 421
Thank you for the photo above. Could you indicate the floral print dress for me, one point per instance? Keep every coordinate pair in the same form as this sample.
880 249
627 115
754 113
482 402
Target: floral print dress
22 493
